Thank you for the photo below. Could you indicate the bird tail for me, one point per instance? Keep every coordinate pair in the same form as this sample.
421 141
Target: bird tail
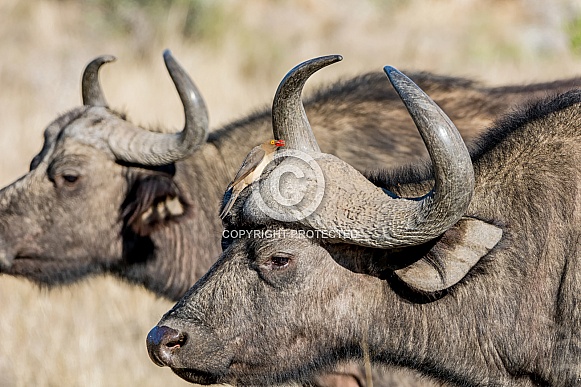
226 207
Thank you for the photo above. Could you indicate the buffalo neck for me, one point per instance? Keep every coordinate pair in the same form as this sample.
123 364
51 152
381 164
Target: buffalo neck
482 331
512 314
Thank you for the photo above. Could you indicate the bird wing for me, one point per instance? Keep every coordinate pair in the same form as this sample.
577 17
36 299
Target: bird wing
249 164
228 202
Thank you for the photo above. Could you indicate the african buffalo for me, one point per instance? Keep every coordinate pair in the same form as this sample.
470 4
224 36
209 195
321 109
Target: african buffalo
468 271
106 196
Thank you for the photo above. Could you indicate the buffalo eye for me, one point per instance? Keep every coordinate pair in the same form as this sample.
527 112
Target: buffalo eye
279 261
70 178
67 180
278 269
65 172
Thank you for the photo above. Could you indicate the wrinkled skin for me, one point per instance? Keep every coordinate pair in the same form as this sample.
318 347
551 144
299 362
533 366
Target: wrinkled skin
279 308
80 211
59 195
53 231
267 298
62 199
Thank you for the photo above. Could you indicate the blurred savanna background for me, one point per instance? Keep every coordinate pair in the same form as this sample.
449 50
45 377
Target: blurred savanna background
93 333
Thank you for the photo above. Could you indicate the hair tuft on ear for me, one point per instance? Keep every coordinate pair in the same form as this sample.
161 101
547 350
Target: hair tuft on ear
153 201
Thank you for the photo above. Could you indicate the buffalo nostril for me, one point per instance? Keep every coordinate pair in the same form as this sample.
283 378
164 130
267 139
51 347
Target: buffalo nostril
162 342
166 336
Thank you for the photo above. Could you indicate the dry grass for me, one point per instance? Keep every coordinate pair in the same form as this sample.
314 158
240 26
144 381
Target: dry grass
92 334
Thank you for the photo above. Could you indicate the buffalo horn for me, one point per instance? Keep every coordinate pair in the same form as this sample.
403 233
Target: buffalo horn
289 119
90 86
148 148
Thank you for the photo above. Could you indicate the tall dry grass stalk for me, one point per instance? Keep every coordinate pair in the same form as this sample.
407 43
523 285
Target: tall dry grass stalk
92 333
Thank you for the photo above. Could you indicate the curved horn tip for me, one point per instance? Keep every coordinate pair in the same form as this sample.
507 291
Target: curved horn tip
167 54
390 69
310 66
100 60
109 58
175 69
334 58
323 60
295 79
404 86
395 75
90 88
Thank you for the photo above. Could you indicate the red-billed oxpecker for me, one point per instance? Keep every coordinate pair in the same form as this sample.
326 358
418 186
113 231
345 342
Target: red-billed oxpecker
252 166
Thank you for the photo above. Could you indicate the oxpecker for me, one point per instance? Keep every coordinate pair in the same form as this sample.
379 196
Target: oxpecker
250 170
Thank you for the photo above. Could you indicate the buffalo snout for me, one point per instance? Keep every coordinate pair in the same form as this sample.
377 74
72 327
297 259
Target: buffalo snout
192 352
162 344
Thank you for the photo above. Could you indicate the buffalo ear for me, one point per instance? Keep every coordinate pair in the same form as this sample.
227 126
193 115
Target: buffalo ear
452 257
152 202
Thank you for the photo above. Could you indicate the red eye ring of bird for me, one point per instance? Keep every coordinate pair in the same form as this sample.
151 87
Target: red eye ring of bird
278 143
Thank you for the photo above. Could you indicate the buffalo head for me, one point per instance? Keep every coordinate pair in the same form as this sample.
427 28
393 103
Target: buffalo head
312 248
98 187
